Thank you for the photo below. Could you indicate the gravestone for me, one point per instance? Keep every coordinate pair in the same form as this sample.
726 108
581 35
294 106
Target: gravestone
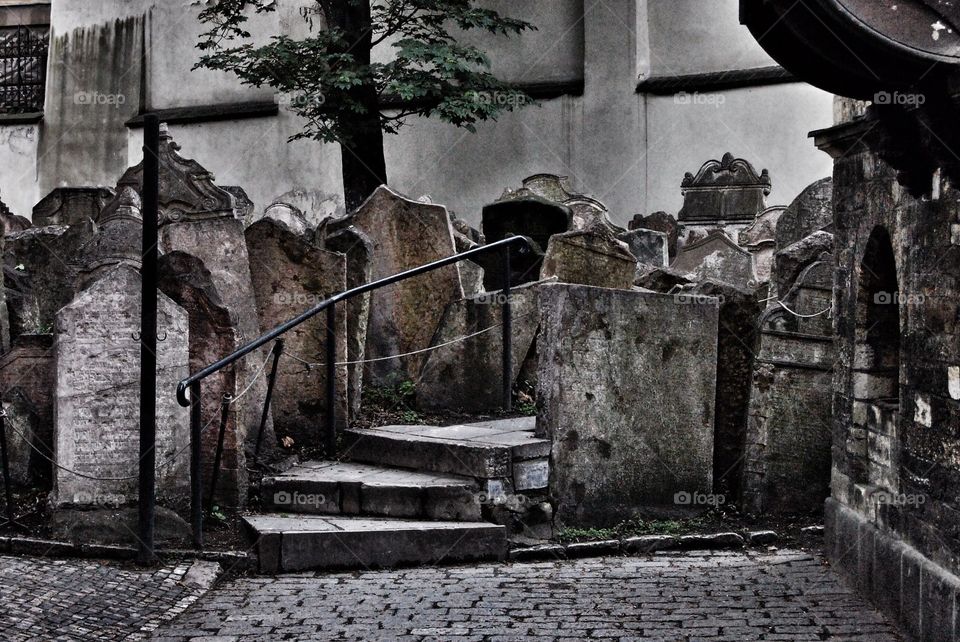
468 375
213 335
760 239
787 457
648 246
98 375
193 211
294 276
71 206
626 392
27 375
531 216
21 424
405 234
659 222
10 222
592 257
794 258
289 216
358 248
586 211
242 204
716 257
811 211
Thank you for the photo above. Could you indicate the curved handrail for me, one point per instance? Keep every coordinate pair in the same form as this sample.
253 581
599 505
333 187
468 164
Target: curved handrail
283 328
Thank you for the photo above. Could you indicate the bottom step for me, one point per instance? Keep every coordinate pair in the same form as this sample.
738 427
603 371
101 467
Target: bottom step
298 543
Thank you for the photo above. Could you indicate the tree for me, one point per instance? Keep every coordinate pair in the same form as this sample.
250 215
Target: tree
330 80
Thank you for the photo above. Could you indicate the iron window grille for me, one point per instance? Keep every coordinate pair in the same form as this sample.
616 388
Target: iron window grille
23 69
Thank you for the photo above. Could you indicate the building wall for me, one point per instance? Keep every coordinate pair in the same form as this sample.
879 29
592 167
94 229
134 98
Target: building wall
626 148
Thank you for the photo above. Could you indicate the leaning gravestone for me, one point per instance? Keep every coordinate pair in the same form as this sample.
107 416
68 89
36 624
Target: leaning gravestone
71 206
586 211
405 234
716 257
659 222
98 375
201 219
468 375
648 246
811 211
531 216
592 257
626 390
293 276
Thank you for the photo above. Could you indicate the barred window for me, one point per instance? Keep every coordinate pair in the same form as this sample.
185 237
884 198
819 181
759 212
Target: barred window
23 69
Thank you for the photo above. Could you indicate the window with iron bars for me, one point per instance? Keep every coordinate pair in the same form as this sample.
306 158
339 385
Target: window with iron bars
23 69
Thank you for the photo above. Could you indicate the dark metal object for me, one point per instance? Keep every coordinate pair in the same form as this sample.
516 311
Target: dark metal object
331 436
224 416
4 460
196 490
148 342
271 382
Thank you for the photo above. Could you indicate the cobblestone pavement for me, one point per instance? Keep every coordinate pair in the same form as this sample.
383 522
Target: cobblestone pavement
43 599
712 596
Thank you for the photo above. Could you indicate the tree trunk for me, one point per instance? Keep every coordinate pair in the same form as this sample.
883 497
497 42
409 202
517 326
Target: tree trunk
364 166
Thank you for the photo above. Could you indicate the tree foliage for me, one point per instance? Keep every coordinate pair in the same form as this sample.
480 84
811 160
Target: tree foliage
320 76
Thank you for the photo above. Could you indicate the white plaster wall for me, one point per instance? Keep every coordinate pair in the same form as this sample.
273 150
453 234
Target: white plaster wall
18 159
766 125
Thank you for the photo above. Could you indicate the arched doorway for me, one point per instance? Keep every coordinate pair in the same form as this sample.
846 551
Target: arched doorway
876 364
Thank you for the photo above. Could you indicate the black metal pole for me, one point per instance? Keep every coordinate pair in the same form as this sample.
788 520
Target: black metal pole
224 414
7 484
271 382
507 335
331 445
148 339
196 483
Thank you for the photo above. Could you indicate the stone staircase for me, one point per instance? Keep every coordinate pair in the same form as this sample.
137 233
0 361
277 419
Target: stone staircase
403 495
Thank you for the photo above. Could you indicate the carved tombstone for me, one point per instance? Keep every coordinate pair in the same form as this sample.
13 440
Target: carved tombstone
716 257
811 211
760 239
593 257
586 211
289 215
405 234
293 276
659 222
71 206
98 374
201 219
533 217
648 246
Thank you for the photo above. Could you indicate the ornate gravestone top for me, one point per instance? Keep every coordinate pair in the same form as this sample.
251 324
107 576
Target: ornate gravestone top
550 187
728 189
117 240
187 189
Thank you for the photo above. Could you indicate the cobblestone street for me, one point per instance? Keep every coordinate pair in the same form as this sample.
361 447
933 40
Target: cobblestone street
46 599
710 596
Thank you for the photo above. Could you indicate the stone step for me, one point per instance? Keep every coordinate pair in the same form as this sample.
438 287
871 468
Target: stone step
488 450
286 543
343 488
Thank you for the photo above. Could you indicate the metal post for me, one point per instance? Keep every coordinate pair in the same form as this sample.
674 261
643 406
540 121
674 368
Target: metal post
271 382
196 483
224 414
7 484
148 339
331 441
507 335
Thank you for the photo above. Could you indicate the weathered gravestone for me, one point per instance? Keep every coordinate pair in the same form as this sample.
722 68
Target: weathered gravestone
201 219
21 422
71 206
811 211
405 234
648 246
531 216
10 222
726 194
289 216
358 249
760 239
213 334
468 375
292 276
591 257
626 389
659 222
794 258
98 375
586 211
27 377
716 257
789 431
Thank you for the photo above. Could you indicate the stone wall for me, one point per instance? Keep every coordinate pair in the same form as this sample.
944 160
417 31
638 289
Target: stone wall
896 472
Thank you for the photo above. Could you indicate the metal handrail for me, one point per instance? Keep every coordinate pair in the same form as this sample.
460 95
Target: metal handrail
193 382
